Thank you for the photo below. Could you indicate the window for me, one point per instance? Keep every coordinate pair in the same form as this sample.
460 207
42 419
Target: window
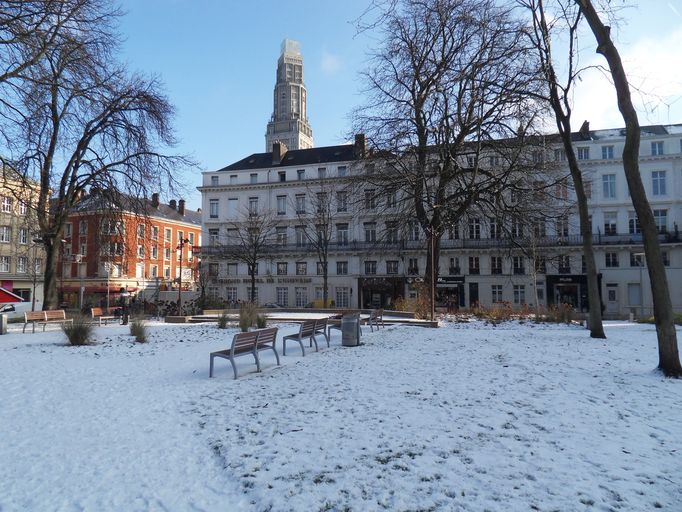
342 297
281 235
661 220
232 269
657 148
155 232
213 236
214 181
516 228
474 265
587 186
67 230
6 205
496 290
370 232
22 264
38 265
607 152
301 296
370 268
154 270
282 176
370 200
518 265
321 200
583 153
155 252
320 268
300 174
342 171
190 237
282 296
341 268
496 264
140 251
474 229
609 186
23 207
495 232
562 226
494 161
519 294
300 236
412 266
636 259
114 227
413 231
253 178
301 268
300 203
454 269
564 264
166 253
633 224
453 231
4 263
281 205
392 232
321 173
391 199
658 183
541 265
213 208
23 235
342 234
612 259
341 202
610 223
562 190
282 268
559 155
539 228
392 267
231 294
253 206
5 234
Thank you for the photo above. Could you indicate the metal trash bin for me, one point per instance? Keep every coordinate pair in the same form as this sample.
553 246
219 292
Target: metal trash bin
3 324
350 330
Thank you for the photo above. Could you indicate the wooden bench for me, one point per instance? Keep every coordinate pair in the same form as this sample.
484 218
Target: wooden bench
244 343
376 317
321 328
306 331
52 316
98 314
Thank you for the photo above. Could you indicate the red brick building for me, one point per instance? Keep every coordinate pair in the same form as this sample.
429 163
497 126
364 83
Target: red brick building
142 253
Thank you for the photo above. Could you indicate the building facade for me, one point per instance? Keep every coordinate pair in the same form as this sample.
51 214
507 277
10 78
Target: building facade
477 264
289 122
138 252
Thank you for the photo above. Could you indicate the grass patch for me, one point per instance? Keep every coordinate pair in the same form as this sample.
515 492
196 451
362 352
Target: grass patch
79 332
222 320
138 329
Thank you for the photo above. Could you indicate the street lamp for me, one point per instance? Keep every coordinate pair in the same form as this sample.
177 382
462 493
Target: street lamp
78 258
181 244
36 241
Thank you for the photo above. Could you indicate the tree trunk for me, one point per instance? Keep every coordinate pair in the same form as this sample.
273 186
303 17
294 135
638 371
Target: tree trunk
431 274
253 284
50 296
668 354
325 284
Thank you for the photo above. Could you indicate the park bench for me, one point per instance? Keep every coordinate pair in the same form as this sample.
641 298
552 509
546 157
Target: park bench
98 314
244 343
306 331
53 316
321 328
376 317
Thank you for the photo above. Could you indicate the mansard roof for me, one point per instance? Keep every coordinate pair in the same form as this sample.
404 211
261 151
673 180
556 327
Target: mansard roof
295 158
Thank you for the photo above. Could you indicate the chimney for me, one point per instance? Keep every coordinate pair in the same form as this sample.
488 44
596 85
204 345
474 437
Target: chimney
181 207
360 146
155 199
279 149
585 131
172 204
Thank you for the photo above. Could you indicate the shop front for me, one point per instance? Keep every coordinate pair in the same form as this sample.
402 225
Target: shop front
380 292
569 289
450 292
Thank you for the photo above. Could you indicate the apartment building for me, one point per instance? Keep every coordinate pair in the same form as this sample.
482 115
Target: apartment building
142 250
477 261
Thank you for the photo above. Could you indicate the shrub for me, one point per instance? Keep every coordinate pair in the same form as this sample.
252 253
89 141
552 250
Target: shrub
261 321
139 330
247 316
79 332
222 320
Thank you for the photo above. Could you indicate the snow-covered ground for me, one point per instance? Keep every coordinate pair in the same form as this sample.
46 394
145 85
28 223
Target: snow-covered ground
466 417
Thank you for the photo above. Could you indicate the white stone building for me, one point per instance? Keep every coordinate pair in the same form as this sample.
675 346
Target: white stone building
475 262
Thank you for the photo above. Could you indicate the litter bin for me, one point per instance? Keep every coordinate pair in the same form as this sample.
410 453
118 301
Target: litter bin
350 330
3 324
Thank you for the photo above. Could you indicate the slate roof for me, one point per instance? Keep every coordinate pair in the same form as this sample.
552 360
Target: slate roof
295 158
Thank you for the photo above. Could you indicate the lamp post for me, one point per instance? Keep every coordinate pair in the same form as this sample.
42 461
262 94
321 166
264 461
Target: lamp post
61 273
107 269
36 241
78 258
181 245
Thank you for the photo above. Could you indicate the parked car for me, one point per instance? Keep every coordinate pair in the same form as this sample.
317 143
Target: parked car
272 305
17 309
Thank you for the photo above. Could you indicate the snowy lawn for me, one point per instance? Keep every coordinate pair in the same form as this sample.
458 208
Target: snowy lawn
466 417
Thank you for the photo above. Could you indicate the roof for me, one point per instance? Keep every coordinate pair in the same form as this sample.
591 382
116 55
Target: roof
7 296
295 158
95 202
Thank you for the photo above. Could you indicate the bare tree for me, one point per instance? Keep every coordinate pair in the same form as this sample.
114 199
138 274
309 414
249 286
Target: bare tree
449 78
248 240
668 354
78 120
558 95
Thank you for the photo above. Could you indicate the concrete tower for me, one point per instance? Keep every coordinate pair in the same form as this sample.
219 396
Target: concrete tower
289 122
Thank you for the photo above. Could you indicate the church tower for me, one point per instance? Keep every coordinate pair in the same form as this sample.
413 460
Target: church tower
289 121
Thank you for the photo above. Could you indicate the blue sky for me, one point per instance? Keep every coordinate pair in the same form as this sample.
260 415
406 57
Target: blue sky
218 59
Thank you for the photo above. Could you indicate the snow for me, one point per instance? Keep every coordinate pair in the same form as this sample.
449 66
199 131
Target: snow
466 417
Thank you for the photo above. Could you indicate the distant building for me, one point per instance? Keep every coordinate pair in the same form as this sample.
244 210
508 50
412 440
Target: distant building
137 250
289 121
373 261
